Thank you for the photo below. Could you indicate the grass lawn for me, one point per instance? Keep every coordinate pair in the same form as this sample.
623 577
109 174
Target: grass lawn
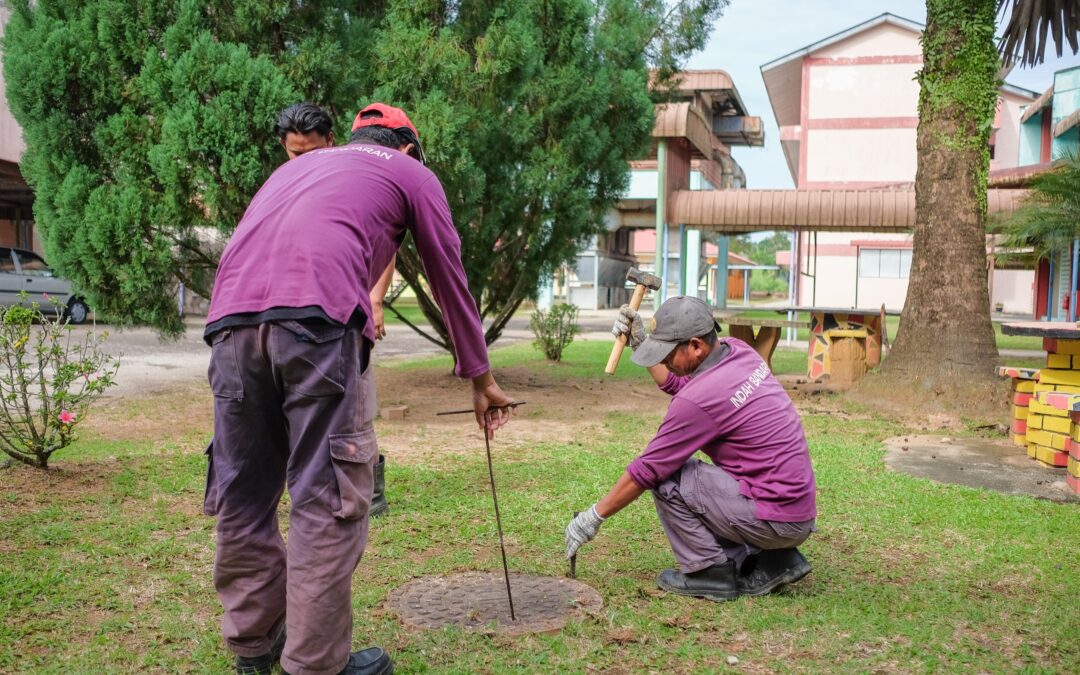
105 562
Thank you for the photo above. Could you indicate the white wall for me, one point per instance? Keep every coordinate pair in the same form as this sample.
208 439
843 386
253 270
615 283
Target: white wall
1014 289
869 90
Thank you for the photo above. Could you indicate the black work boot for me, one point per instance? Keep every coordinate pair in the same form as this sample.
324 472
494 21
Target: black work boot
262 665
772 570
379 506
370 661
714 583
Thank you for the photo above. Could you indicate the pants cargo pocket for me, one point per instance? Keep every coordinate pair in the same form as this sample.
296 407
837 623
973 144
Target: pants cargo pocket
353 457
210 496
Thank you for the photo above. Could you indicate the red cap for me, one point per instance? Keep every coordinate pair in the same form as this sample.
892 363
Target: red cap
389 117
392 118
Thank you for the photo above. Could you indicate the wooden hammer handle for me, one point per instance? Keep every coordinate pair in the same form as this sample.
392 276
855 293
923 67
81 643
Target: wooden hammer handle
620 342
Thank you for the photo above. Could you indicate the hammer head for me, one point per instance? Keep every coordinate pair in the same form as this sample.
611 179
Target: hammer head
643 279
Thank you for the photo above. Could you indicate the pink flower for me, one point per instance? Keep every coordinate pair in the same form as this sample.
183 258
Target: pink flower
46 295
66 417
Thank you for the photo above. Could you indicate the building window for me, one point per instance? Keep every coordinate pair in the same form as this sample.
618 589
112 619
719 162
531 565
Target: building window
885 263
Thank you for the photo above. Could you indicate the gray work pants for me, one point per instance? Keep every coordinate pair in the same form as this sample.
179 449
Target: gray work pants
290 410
708 522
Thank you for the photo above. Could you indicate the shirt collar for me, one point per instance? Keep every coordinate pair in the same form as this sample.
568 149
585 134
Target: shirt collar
718 354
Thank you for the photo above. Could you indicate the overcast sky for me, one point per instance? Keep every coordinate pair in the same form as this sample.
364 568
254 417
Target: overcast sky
755 32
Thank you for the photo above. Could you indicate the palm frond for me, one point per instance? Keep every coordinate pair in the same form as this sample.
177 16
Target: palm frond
1031 22
1049 218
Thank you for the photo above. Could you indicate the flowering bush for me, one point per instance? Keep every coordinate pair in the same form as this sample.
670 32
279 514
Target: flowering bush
48 379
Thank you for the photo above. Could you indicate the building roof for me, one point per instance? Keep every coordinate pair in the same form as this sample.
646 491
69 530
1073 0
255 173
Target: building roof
737 211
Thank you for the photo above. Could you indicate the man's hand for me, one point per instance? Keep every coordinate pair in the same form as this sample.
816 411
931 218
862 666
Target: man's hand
486 395
377 319
629 323
581 529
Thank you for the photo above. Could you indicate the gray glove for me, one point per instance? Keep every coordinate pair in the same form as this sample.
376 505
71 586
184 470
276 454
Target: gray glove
581 529
629 323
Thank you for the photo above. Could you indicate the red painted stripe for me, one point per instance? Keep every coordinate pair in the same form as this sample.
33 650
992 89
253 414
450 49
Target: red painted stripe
876 243
906 122
1021 399
1050 345
1019 426
861 60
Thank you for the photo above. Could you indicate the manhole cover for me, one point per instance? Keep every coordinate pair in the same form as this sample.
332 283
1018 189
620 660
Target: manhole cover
477 601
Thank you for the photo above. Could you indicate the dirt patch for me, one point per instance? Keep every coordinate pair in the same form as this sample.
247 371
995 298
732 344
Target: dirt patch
556 410
923 405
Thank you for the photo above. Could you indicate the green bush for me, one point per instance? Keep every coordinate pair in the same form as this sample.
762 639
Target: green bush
554 329
768 281
48 381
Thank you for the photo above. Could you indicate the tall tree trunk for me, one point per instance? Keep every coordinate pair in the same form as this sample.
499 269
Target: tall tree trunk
946 339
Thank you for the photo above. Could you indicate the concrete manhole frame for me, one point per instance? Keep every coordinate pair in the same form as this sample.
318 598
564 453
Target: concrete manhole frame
476 601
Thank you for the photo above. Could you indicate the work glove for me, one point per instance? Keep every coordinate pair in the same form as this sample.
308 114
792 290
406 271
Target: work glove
629 323
581 529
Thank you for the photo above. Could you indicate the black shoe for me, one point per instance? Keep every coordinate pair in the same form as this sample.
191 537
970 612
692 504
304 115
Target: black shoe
379 506
773 569
370 661
714 583
262 665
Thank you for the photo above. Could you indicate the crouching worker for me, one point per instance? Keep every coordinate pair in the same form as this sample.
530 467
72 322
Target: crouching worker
733 524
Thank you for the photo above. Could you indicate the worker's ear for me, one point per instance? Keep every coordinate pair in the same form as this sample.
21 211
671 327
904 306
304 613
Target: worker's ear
330 140
407 148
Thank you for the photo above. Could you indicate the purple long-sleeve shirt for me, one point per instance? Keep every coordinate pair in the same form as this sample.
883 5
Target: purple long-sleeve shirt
735 412
326 224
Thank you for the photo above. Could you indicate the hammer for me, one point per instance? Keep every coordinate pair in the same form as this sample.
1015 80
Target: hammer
644 281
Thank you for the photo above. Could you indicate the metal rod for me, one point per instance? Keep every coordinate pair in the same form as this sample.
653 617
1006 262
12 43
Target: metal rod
498 520
573 558
492 407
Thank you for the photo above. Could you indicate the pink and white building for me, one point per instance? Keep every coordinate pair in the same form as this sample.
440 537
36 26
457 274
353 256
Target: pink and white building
847 108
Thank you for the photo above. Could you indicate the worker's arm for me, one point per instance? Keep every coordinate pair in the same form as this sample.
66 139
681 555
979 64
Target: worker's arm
378 292
620 496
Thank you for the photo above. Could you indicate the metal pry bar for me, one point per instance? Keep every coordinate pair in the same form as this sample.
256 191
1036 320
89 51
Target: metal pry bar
498 520
492 407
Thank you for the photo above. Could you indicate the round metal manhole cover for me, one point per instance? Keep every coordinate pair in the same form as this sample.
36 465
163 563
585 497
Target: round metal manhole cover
477 601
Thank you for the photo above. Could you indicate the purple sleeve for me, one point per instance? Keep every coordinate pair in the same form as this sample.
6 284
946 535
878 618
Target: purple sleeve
674 383
685 429
439 246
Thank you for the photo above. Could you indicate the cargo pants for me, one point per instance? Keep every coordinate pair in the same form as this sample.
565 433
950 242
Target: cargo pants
292 407
708 522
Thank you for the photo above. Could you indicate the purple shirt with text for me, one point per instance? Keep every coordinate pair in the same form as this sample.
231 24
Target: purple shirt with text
738 414
326 224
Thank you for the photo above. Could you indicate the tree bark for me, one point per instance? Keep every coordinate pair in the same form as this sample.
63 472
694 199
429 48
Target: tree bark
946 340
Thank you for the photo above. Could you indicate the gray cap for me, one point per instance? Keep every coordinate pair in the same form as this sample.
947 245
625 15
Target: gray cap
679 319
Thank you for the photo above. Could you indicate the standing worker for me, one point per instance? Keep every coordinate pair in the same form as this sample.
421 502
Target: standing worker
291 338
733 525
301 128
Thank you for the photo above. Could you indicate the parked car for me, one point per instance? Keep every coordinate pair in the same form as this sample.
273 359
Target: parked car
22 270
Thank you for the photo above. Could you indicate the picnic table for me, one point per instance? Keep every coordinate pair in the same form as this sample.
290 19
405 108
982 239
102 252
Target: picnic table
844 342
763 334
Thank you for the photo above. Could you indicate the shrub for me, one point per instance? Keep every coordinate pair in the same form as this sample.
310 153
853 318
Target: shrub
47 381
554 329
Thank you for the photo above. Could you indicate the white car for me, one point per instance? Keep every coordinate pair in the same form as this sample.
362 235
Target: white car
22 270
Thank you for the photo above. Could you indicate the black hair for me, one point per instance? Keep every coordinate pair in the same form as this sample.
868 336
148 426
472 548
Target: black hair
387 137
303 118
375 135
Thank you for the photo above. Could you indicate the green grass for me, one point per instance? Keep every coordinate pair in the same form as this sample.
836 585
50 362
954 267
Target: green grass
105 564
